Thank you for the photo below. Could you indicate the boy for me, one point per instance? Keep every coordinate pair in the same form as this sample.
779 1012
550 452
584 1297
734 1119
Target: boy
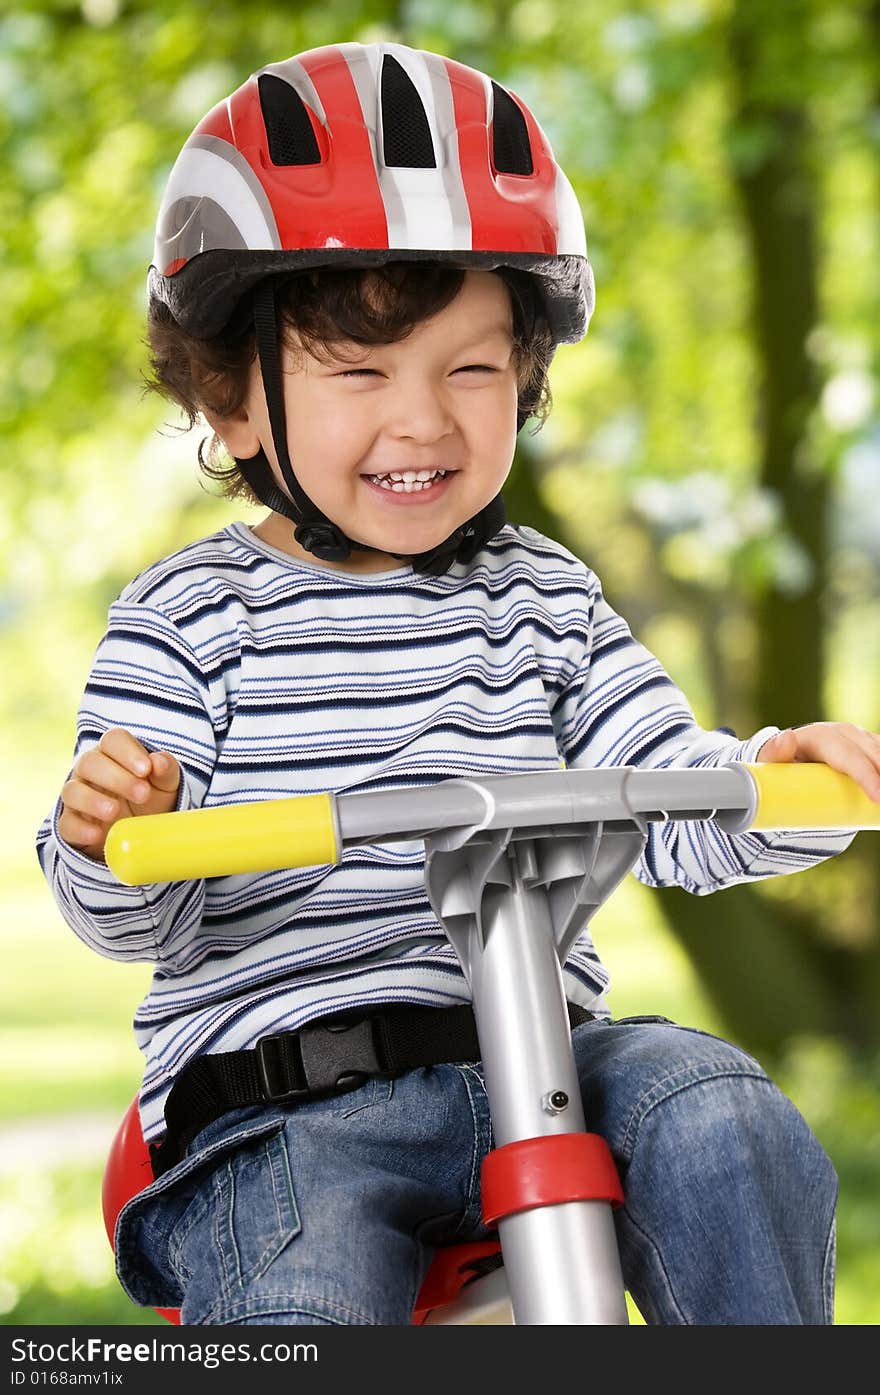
328 290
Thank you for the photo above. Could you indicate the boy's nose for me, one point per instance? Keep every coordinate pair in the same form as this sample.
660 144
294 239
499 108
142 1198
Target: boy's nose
420 411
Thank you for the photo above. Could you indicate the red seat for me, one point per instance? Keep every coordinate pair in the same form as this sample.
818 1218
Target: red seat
448 1275
129 1170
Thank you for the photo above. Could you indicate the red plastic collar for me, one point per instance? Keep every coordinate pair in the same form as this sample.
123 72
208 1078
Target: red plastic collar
547 1170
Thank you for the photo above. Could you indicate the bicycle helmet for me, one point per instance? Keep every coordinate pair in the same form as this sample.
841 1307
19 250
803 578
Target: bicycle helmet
356 155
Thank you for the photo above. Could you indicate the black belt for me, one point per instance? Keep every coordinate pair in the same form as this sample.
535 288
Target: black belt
326 1057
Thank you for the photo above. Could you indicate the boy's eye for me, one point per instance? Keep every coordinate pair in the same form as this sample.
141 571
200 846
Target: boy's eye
471 367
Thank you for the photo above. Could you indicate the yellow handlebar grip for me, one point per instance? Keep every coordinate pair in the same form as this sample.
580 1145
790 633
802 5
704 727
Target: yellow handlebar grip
224 841
802 795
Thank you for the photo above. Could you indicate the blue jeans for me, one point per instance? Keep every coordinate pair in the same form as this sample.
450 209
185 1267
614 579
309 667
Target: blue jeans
328 1212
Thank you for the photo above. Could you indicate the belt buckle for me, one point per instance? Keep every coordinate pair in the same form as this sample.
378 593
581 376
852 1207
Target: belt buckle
335 1056
338 1054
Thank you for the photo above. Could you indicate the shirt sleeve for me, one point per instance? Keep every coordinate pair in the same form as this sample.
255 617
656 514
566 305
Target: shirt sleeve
145 678
622 708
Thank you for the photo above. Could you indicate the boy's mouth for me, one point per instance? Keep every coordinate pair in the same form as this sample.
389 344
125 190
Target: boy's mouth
410 486
401 481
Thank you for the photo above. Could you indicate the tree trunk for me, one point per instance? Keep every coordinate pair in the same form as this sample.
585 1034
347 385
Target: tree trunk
778 197
768 967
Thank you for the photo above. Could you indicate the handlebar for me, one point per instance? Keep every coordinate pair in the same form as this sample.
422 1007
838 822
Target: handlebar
313 830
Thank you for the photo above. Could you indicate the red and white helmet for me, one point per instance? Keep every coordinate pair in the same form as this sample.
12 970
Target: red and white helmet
356 155
376 150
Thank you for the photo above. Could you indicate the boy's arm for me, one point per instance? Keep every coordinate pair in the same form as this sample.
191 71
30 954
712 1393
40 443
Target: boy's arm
622 708
145 679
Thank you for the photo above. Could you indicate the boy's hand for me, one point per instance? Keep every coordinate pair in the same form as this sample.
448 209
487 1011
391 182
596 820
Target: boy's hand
853 750
116 779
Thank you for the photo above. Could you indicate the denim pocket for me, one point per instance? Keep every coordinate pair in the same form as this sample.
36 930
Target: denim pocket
248 1215
203 1203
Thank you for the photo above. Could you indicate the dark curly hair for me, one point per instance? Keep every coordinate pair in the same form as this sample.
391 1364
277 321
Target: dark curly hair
322 306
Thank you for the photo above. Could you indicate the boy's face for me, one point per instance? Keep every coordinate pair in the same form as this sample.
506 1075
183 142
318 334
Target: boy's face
444 398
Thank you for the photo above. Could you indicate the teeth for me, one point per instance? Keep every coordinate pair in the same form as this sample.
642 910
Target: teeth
409 481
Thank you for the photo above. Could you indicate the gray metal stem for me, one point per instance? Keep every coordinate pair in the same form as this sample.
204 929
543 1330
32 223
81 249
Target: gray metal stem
511 907
562 1260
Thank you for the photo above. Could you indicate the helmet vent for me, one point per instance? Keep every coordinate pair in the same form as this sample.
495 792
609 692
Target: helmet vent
511 152
291 135
405 129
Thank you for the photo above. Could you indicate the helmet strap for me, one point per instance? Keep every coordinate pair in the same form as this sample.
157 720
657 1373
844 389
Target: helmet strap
314 531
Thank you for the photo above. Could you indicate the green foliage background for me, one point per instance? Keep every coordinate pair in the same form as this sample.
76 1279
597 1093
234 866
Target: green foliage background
650 467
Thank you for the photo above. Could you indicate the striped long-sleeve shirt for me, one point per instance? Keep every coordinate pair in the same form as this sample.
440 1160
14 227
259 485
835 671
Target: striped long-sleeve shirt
270 677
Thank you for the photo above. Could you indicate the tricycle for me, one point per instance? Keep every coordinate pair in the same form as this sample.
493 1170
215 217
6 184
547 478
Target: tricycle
515 867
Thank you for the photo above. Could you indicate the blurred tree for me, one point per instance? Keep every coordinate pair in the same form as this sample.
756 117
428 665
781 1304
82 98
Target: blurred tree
769 964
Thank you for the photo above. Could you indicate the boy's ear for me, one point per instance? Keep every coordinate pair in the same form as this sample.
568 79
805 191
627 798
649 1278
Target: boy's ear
238 432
